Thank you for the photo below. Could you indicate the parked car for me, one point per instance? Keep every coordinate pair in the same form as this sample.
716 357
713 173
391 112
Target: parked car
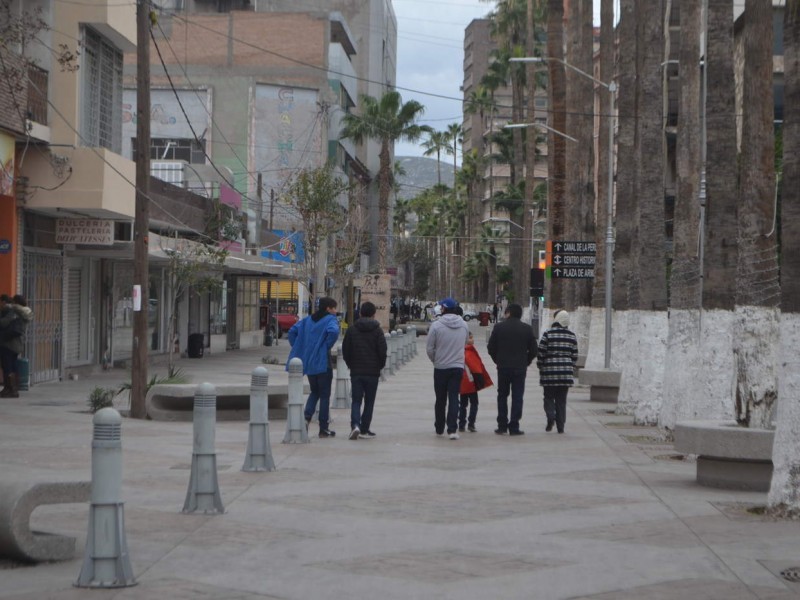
469 315
285 322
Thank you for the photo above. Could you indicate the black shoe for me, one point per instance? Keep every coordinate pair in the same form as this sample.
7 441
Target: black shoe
560 431
471 429
549 425
462 429
366 434
326 433
499 431
516 432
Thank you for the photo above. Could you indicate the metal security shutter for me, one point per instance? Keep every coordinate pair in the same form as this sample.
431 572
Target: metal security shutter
72 324
42 285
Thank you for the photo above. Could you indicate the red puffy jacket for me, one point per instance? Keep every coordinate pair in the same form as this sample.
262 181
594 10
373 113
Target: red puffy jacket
474 366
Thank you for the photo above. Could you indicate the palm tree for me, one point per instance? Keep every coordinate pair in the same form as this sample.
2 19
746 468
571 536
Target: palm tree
436 143
490 237
386 120
757 284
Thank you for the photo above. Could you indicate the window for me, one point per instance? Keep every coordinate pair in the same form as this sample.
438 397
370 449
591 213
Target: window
175 149
101 124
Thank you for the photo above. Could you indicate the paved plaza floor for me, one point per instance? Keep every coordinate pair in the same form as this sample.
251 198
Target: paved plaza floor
606 511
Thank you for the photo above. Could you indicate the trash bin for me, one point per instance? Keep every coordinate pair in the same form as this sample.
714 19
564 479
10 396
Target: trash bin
23 374
267 336
195 349
484 318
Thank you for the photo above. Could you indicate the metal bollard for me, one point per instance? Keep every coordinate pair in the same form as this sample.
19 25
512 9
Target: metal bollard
259 452
342 396
392 353
386 371
413 340
203 493
398 340
106 563
404 346
296 430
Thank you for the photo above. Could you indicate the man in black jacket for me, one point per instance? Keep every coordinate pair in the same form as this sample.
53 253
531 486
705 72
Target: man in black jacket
364 352
512 347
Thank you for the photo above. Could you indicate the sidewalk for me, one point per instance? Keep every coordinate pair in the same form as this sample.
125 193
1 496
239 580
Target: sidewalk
604 511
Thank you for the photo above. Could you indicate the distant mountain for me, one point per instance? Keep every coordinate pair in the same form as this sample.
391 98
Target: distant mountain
421 174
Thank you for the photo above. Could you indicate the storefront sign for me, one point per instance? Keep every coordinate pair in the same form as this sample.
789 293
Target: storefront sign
98 232
378 290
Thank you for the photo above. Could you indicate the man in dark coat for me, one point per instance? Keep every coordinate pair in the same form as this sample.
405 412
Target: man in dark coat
364 352
512 347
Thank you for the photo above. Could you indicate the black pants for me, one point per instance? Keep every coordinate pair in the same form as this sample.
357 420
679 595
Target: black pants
446 383
510 380
8 361
472 401
555 404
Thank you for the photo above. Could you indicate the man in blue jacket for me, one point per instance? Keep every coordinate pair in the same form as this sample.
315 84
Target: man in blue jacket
311 340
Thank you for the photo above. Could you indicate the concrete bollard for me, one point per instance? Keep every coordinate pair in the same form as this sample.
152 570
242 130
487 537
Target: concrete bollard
342 395
296 430
259 452
413 340
106 563
404 346
386 371
392 353
203 493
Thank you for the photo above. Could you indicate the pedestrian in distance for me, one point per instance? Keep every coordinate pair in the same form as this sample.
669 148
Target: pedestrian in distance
512 347
495 312
447 338
558 353
364 352
14 318
312 339
475 378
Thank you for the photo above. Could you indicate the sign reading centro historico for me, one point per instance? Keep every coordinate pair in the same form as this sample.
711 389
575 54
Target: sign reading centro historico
98 232
571 260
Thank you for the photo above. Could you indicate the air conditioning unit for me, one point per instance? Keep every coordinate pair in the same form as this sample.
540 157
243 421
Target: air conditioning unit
170 171
123 231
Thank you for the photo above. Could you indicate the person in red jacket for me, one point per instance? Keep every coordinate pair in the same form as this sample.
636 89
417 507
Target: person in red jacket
475 378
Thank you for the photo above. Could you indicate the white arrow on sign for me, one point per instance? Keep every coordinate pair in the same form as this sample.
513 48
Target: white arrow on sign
557 272
558 246
557 259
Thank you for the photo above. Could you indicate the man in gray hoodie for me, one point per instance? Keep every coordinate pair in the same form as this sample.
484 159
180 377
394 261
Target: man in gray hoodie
447 337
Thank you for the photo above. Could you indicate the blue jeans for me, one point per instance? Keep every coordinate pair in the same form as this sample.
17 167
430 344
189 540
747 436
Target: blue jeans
320 385
446 385
513 380
366 387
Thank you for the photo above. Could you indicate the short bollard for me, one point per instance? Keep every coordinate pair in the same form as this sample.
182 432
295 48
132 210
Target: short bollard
203 493
259 452
403 346
296 431
106 563
414 340
393 353
342 396
387 366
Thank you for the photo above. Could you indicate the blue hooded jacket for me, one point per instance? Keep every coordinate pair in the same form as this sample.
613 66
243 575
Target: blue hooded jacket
311 342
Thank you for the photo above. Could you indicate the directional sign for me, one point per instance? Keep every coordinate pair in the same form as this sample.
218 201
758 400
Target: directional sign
563 247
573 260
572 273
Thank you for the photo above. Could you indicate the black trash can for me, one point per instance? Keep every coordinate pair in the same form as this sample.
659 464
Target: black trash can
195 349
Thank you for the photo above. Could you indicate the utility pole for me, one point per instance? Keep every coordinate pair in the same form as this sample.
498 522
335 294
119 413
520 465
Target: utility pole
260 213
271 206
140 227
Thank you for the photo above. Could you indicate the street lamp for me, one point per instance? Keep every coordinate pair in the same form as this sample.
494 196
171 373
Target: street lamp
609 279
542 125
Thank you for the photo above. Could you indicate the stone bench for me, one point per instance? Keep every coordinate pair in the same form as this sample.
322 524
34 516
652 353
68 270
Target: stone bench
17 501
604 384
729 456
175 402
579 365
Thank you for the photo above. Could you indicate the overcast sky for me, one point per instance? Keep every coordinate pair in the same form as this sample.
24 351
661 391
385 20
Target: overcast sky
430 56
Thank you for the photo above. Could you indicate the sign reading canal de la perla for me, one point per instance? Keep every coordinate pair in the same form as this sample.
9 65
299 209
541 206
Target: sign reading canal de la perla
572 260
98 232
378 290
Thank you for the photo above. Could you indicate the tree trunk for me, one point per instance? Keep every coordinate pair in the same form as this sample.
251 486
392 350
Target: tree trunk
720 249
757 285
556 145
384 190
626 142
683 342
523 280
785 488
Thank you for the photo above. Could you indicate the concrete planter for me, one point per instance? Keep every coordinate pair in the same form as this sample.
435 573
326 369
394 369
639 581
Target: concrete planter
604 384
728 456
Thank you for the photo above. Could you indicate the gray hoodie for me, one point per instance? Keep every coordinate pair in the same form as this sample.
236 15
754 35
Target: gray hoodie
447 337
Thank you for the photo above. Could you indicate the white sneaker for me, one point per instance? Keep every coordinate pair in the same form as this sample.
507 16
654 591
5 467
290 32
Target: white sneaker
354 434
454 436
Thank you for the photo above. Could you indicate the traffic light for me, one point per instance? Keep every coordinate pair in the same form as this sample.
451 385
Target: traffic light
537 283
542 260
